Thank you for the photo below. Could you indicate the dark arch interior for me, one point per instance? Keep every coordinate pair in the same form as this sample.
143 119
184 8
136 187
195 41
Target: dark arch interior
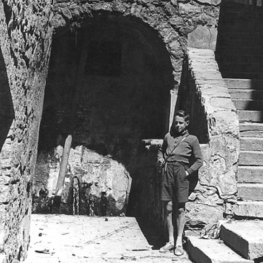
109 85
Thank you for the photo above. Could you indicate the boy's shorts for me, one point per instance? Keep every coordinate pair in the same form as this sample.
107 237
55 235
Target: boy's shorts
175 185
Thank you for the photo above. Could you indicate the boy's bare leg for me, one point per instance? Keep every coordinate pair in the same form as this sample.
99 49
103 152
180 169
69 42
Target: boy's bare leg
168 206
180 222
169 221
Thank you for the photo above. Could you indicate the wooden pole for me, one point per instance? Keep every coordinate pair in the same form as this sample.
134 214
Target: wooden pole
70 126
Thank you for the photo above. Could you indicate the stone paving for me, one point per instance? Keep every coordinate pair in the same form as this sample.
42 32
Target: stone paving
63 238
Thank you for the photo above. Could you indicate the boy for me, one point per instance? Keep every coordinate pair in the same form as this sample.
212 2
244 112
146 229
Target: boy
177 149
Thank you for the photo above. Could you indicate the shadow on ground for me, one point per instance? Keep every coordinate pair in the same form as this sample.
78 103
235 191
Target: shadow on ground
153 235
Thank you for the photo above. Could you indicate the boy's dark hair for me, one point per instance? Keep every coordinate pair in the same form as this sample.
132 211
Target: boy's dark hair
183 114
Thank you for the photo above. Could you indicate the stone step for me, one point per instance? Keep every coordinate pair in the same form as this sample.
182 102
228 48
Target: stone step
252 158
250 192
251 144
237 74
250 116
244 237
244 104
212 250
251 129
250 174
249 209
247 94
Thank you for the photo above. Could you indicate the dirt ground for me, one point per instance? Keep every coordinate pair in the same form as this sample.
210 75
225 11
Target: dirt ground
63 239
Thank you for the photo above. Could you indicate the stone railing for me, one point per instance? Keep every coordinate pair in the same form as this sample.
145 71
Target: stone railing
215 122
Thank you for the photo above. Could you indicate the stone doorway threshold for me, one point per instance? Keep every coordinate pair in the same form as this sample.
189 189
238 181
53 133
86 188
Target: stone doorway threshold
66 239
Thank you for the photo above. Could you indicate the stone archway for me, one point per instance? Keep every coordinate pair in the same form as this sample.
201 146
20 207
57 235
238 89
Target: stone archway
123 96
26 34
163 19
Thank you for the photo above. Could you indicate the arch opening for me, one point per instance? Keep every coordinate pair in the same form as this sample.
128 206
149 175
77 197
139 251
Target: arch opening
109 86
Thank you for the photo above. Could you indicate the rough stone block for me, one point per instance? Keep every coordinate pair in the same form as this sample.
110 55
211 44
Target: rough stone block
203 37
245 237
212 250
105 182
222 122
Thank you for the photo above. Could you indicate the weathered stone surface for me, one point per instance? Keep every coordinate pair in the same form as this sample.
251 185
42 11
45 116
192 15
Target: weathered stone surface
104 184
203 37
212 250
246 94
245 237
205 210
254 158
223 122
251 144
222 152
242 104
255 84
26 48
252 209
251 129
250 174
222 103
250 192
249 116
211 2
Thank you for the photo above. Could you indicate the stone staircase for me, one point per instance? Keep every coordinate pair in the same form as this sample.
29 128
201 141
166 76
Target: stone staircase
242 240
247 96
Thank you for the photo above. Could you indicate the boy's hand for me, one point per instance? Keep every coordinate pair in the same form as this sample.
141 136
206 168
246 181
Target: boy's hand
187 174
161 161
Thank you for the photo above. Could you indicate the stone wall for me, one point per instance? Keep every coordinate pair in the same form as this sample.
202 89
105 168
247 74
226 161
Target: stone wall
25 39
116 112
174 21
215 122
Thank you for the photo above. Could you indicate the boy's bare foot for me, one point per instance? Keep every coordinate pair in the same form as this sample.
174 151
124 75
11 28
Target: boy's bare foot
179 251
167 247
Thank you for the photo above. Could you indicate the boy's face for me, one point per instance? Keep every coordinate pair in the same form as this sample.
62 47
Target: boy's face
180 124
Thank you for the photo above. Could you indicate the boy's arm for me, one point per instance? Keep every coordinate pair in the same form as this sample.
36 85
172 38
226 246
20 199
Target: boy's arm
161 151
197 157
